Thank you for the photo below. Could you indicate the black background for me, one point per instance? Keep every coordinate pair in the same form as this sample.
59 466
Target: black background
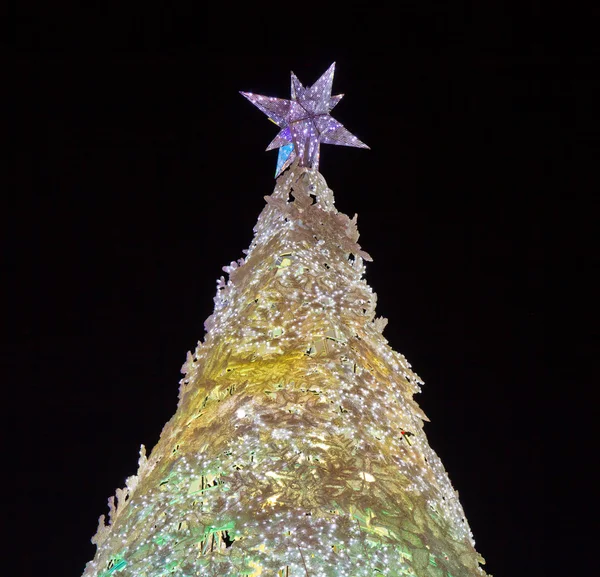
141 172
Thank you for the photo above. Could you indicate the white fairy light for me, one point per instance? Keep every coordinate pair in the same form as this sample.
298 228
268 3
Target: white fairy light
297 446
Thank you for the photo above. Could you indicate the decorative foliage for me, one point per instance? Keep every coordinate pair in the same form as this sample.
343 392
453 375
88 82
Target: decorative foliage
296 448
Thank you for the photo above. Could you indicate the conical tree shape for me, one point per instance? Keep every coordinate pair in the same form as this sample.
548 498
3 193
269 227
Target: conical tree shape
296 448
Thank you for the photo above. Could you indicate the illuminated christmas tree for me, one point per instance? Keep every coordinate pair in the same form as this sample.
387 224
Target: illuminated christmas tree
296 448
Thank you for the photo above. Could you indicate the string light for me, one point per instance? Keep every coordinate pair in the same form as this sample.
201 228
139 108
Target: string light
296 448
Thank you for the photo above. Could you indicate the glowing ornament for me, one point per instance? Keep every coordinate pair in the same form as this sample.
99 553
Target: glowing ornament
305 122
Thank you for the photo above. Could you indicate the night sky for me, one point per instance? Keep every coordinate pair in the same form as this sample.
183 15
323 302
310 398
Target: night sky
143 172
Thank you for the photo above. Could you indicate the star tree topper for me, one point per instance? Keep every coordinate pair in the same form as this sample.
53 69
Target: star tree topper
304 121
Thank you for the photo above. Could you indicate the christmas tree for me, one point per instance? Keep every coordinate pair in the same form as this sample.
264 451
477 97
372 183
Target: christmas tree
296 448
